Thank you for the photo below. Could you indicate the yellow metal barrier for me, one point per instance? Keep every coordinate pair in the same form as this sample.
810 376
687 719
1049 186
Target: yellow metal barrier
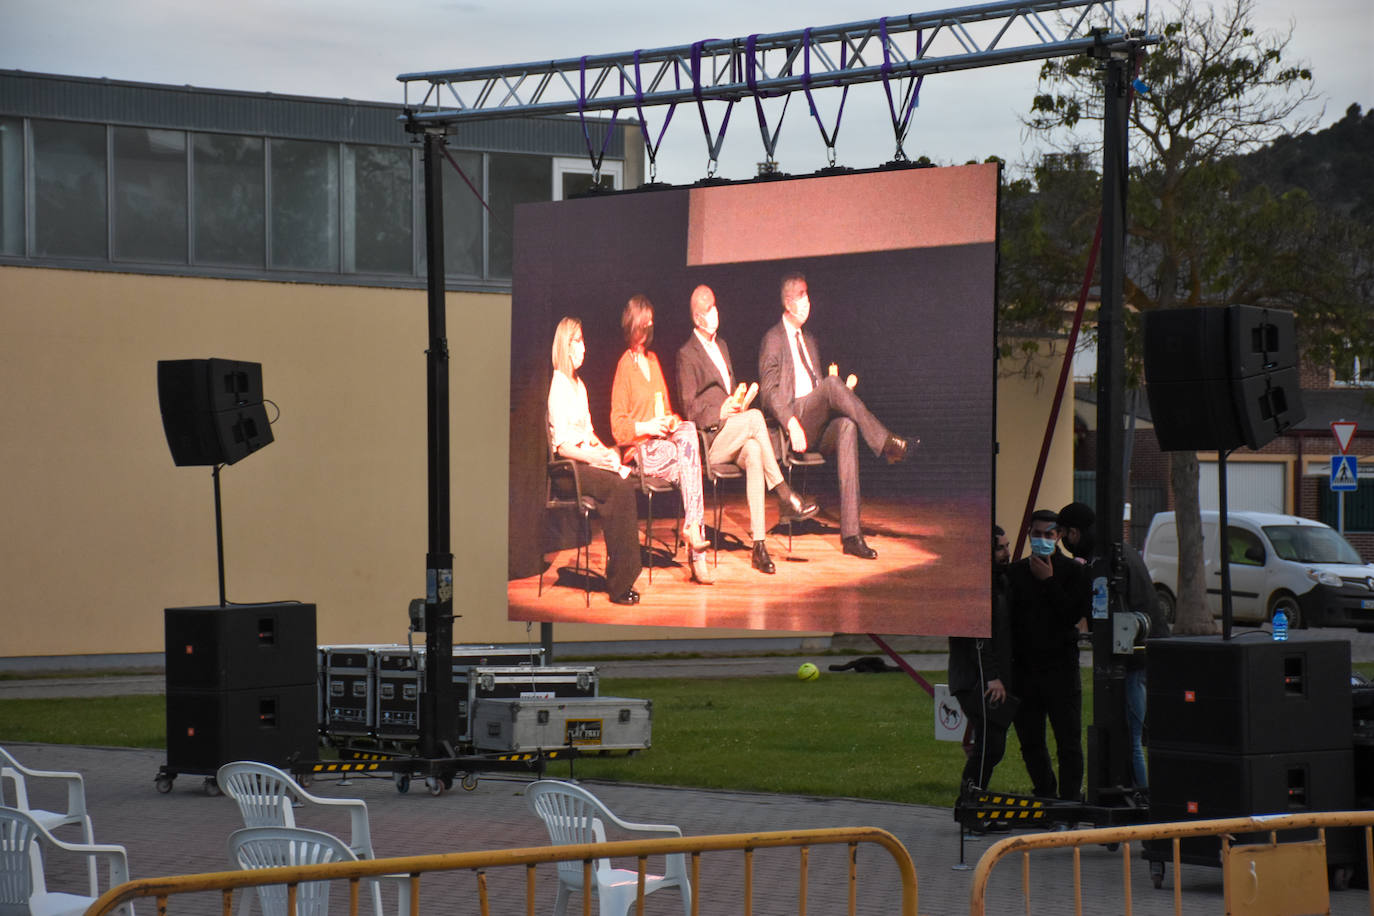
161 889
1125 836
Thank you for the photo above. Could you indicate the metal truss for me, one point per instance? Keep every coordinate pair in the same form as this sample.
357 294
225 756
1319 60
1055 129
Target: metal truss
762 66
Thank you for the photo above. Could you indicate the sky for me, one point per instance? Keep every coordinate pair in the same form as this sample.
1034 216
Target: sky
355 49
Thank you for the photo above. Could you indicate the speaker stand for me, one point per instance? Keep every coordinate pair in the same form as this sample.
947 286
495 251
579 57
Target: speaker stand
219 535
1223 543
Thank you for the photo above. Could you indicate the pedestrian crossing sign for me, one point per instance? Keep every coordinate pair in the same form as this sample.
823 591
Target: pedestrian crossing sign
1344 473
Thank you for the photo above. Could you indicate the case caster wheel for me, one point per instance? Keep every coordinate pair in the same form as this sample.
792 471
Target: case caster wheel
305 779
402 783
163 782
1157 874
469 782
1339 878
211 787
435 785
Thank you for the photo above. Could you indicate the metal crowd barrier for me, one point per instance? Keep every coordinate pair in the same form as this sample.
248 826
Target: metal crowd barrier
1175 832
162 889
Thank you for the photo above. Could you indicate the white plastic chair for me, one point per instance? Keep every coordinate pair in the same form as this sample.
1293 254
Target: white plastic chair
22 888
273 847
267 797
17 775
573 815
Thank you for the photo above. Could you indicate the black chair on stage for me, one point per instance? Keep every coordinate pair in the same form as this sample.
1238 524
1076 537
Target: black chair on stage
564 493
652 486
715 473
789 460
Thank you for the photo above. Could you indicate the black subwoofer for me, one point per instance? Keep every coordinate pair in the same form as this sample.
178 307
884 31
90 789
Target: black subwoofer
240 646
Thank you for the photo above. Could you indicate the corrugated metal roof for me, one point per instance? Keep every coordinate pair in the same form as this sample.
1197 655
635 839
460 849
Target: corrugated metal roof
75 98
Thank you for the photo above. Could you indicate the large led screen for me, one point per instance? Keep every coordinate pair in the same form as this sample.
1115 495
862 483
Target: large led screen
899 276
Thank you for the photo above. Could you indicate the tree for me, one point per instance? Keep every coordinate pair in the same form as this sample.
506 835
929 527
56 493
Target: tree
1198 234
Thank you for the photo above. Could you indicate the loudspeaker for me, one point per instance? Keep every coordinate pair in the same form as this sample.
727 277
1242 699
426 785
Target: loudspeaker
209 728
240 647
1205 786
1220 378
212 410
1239 696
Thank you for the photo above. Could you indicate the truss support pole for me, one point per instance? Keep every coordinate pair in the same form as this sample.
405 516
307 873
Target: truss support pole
1109 743
438 703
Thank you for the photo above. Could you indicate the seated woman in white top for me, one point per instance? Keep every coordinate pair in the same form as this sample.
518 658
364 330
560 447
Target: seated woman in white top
571 436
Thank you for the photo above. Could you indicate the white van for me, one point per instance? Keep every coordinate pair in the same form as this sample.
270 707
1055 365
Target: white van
1277 561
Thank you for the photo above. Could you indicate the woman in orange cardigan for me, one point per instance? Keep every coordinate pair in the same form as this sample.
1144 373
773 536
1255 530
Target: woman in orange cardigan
644 426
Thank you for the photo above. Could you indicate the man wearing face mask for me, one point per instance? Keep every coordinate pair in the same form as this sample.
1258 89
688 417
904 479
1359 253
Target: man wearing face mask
980 674
1048 597
821 412
706 381
1077 523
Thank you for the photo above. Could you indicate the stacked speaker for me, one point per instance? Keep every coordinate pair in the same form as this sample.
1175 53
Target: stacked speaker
1218 378
241 685
1246 727
212 410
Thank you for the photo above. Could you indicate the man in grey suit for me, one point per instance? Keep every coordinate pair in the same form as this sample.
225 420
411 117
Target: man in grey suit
820 410
705 383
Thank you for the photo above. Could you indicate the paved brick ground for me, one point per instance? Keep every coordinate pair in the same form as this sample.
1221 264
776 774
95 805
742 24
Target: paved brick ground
184 832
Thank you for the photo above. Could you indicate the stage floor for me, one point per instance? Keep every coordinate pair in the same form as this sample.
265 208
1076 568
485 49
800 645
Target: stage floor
931 576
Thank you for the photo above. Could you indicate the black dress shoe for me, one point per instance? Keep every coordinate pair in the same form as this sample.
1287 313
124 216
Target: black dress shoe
895 448
856 546
792 508
629 596
761 560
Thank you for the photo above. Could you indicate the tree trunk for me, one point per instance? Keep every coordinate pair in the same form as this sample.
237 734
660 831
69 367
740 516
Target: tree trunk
1191 615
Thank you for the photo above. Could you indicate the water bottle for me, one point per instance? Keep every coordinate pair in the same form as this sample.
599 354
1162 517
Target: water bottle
1280 625
1100 598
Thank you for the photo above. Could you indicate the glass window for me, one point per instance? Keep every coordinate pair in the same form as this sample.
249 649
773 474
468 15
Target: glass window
150 195
512 180
462 216
378 207
11 186
305 205
1311 544
230 224
1245 547
69 189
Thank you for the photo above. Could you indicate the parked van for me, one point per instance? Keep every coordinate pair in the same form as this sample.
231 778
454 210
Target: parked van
1277 561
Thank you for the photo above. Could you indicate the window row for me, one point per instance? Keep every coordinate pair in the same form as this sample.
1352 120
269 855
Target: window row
150 196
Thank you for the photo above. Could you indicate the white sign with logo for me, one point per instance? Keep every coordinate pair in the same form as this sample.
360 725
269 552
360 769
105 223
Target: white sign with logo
949 716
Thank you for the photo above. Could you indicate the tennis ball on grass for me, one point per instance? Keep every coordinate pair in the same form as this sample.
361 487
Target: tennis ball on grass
808 672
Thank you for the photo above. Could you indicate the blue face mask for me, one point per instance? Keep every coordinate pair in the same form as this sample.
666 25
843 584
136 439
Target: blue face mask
1042 547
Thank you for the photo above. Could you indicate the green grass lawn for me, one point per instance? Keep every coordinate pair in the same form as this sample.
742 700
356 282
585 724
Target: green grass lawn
858 735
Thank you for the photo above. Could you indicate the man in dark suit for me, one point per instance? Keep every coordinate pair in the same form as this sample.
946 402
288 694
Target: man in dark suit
737 435
823 411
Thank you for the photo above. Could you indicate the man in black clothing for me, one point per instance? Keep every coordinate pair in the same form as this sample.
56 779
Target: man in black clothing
1077 522
1048 596
979 669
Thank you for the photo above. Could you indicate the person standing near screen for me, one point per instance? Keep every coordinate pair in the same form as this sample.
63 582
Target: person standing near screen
1078 522
821 411
706 384
603 477
979 675
644 426
1048 596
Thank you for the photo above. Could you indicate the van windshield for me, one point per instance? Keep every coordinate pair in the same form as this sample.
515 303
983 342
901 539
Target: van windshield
1311 544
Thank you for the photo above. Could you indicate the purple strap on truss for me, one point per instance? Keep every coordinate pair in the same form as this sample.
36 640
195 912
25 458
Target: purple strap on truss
651 147
899 125
596 158
712 148
770 141
829 138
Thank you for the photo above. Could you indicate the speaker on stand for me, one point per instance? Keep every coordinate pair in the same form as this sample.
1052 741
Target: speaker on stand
1220 378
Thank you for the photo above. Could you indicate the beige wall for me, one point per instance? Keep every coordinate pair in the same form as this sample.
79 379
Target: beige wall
1023 410
101 531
